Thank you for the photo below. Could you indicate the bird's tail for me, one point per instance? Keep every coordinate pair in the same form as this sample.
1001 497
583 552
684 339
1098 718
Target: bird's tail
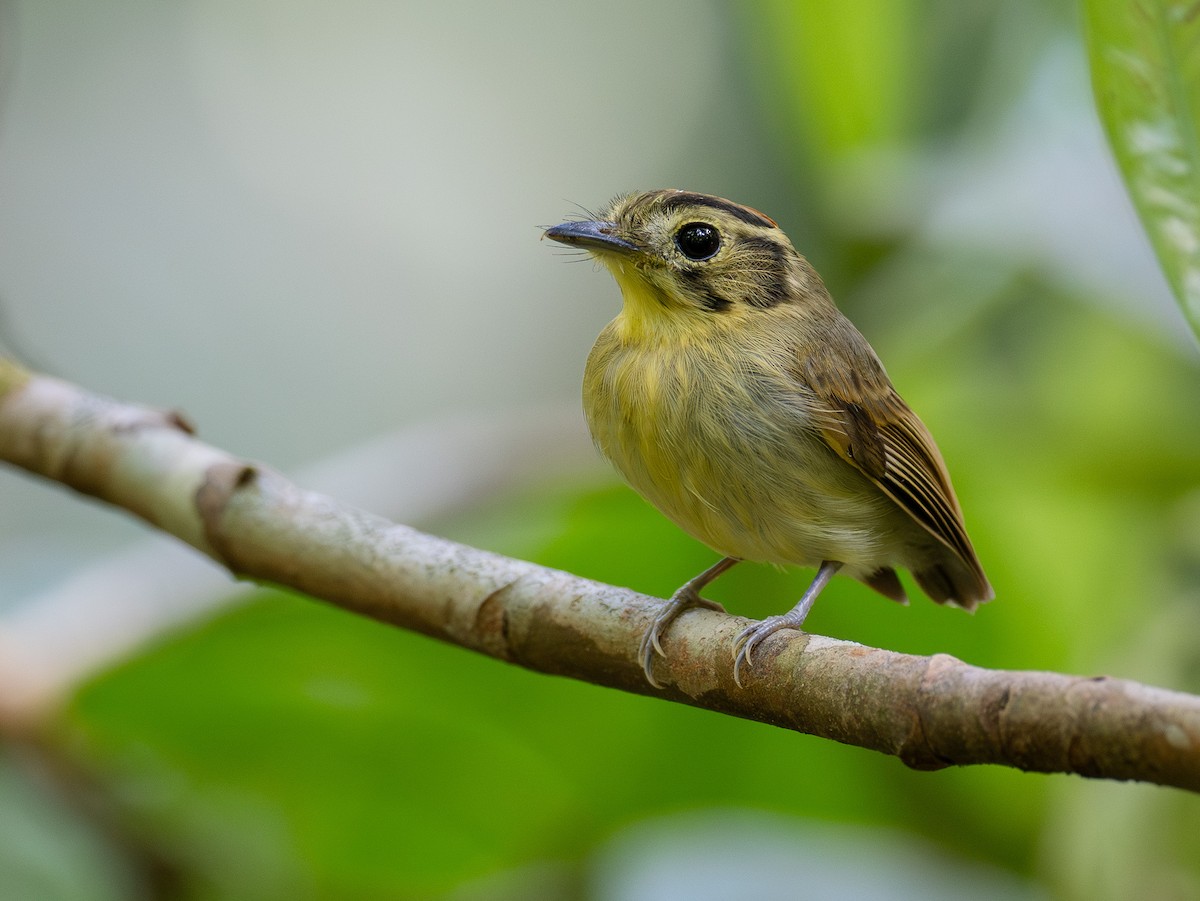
956 582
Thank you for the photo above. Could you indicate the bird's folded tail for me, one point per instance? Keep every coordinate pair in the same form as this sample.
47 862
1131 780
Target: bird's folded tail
950 581
887 583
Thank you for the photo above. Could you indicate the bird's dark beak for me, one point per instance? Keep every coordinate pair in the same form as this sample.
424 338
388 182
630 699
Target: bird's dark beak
591 236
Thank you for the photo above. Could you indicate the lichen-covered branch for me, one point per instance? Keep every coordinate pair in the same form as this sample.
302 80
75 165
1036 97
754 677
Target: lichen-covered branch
929 711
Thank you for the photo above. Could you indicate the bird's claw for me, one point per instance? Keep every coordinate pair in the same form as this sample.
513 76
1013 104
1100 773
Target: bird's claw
750 637
646 651
652 638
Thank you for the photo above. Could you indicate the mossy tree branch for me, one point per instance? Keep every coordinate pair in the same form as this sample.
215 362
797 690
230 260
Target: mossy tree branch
930 712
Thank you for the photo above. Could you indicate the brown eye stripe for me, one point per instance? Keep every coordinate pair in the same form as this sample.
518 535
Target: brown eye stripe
712 300
680 199
771 259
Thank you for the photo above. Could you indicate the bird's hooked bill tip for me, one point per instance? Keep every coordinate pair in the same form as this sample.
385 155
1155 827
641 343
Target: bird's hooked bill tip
591 235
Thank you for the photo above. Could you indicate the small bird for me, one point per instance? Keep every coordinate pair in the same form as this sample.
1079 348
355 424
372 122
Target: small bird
734 396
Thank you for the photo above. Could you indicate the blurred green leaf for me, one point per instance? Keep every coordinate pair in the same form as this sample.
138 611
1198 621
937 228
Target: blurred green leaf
837 83
288 750
844 69
1145 61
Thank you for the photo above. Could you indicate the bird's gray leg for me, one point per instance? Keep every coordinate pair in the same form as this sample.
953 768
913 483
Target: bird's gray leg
686 597
744 645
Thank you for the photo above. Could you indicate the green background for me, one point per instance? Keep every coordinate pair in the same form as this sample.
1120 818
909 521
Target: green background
288 750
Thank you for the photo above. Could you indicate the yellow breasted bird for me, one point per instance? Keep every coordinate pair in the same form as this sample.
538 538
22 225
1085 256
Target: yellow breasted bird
733 395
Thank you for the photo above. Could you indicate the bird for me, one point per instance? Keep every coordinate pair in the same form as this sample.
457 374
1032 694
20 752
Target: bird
733 394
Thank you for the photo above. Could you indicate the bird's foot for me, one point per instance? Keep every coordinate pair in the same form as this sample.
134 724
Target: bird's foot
684 599
751 636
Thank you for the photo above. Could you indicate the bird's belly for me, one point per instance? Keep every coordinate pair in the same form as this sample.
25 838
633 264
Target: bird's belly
737 465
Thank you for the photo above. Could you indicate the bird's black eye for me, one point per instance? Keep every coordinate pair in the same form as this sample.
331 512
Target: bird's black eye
698 240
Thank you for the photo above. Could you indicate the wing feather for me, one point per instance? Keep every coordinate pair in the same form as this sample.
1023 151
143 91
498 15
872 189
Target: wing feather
864 420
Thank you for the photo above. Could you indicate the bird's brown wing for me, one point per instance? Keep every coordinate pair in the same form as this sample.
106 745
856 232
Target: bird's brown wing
860 416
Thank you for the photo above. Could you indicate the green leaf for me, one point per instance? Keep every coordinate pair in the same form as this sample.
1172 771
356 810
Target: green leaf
845 69
1145 61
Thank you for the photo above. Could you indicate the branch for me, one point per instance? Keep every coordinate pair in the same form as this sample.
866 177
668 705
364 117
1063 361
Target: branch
92 617
930 712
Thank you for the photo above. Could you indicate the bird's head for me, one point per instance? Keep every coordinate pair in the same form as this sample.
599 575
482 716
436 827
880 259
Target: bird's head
683 258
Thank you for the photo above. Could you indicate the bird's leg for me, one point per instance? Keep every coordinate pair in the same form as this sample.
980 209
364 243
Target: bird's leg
748 640
686 597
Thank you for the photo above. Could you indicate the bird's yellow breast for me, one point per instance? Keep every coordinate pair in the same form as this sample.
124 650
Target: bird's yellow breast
709 426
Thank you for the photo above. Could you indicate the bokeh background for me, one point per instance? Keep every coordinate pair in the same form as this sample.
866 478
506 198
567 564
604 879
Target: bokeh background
314 228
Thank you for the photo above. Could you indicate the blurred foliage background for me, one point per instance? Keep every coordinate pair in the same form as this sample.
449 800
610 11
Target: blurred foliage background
308 224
